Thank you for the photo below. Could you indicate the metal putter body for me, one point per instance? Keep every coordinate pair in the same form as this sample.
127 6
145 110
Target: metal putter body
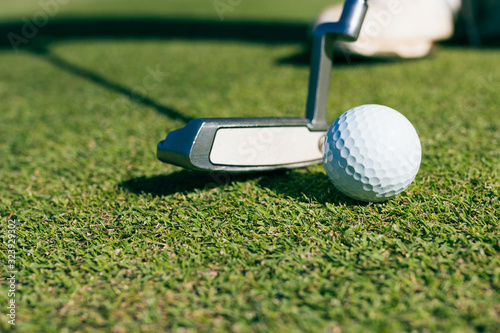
262 144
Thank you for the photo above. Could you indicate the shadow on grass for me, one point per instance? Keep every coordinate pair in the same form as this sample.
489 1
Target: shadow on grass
309 187
183 181
108 84
303 58
144 28
486 43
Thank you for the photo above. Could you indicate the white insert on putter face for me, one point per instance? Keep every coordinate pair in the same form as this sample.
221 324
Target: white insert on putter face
258 144
266 146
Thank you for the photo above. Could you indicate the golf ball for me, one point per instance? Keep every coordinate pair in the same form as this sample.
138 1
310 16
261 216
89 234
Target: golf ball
371 153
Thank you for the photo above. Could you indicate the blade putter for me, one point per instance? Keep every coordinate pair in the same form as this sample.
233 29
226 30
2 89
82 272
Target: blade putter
262 144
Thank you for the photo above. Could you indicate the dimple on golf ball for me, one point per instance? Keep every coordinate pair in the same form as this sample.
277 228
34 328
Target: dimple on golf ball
371 153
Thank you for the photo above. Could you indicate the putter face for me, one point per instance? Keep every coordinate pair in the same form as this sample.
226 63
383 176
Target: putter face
244 144
262 144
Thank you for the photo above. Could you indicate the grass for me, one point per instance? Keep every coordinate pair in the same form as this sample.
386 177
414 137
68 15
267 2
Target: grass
111 240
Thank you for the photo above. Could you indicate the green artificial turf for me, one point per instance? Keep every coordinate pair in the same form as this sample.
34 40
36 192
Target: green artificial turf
111 240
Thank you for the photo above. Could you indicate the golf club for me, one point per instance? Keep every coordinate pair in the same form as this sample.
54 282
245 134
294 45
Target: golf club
262 144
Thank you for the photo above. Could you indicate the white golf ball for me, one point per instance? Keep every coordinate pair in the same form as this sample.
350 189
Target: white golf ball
372 153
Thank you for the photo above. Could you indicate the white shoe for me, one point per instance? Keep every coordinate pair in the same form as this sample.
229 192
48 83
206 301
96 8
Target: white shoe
399 28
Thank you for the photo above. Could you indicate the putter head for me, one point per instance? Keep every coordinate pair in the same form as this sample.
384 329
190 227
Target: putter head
262 144
244 144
